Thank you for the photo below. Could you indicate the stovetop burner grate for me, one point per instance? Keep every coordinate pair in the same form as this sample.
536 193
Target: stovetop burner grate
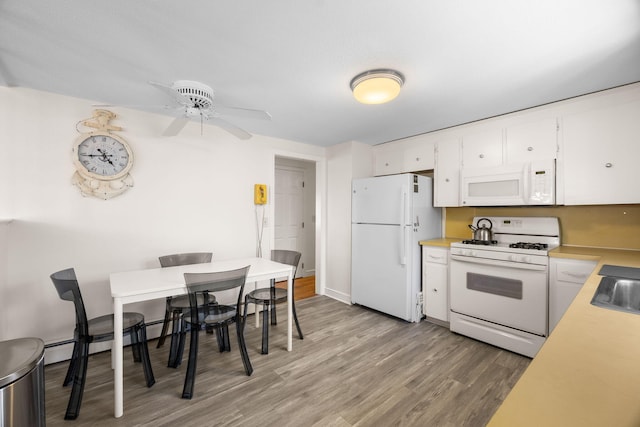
528 245
480 242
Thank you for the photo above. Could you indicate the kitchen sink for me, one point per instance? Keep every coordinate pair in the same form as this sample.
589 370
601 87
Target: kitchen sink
618 293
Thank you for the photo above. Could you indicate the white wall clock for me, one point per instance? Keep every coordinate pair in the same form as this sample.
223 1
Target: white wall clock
102 158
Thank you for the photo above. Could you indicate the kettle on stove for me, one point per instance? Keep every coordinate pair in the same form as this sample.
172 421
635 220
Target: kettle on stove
482 233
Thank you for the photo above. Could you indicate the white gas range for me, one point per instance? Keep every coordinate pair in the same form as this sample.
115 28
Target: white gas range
499 287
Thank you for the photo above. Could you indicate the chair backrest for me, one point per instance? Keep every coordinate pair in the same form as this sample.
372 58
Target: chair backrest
66 284
286 257
200 283
185 259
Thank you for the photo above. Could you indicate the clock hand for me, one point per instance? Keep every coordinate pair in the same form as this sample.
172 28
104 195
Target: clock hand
105 157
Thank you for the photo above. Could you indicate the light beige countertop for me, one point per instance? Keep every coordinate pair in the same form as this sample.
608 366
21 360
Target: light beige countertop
588 371
443 242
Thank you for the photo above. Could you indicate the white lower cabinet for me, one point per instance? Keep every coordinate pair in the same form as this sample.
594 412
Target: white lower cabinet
435 282
566 277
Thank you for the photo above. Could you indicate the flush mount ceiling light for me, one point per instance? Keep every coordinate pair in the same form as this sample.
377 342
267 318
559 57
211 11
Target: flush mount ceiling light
376 86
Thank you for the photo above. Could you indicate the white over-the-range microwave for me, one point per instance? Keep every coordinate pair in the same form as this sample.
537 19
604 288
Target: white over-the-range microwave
531 183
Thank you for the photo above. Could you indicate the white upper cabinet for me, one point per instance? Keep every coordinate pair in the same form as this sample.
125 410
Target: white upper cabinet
482 148
447 172
601 155
412 154
419 154
531 141
388 160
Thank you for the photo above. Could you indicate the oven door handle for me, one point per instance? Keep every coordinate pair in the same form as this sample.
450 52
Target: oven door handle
484 261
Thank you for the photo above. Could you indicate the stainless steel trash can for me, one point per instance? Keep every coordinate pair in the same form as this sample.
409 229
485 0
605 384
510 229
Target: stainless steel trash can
22 383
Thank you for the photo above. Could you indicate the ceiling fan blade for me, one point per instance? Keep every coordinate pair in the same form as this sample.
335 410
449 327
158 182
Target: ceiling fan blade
231 128
174 94
242 112
176 126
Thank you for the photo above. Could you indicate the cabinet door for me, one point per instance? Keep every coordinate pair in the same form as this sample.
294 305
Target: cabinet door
435 270
532 141
482 149
566 278
419 155
601 155
447 173
388 162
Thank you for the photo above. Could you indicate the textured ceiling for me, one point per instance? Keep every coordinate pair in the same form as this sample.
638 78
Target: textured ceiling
463 60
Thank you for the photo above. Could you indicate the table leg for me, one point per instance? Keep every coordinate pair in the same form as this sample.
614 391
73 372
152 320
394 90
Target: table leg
117 350
290 311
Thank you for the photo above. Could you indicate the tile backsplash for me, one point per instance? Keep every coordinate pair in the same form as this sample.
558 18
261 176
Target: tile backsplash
606 226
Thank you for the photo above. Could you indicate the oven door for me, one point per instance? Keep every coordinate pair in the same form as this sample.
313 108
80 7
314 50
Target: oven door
507 293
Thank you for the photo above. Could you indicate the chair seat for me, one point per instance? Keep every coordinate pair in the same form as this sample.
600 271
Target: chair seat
213 314
101 328
268 294
182 302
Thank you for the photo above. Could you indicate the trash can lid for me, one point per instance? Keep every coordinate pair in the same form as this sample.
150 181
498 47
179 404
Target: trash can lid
18 357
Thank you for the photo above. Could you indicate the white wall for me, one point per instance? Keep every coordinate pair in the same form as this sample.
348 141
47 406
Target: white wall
344 162
191 193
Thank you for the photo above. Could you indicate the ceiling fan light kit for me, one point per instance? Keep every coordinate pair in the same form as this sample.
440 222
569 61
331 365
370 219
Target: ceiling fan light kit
377 86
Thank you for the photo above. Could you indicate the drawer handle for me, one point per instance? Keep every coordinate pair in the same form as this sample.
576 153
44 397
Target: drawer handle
608 165
576 275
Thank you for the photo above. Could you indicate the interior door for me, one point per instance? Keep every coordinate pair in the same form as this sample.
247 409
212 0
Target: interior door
289 202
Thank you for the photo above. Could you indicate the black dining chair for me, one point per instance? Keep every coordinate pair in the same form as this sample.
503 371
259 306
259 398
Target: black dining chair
269 297
98 329
215 315
176 305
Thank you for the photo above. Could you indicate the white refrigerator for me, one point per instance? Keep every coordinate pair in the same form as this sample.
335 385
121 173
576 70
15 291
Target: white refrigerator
389 216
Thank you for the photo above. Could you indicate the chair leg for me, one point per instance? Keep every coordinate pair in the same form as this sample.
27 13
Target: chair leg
73 364
176 345
190 378
135 344
165 325
248 369
79 377
225 334
295 317
244 312
272 288
265 328
144 355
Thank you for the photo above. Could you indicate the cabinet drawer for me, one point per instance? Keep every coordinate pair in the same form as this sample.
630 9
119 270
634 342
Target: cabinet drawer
574 273
436 255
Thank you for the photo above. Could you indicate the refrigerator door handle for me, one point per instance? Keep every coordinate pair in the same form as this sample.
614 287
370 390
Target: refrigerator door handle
403 231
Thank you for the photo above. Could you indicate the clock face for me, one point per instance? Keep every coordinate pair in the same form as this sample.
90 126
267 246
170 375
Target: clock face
104 156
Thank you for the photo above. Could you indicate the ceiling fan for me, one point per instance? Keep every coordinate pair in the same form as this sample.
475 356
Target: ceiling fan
195 100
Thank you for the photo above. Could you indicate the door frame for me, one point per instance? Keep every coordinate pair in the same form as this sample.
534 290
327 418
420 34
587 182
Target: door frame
320 234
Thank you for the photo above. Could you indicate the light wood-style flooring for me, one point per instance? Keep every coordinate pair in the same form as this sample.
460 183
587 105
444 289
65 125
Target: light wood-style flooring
305 287
355 367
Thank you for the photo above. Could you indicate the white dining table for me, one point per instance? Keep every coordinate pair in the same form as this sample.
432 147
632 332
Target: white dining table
148 284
